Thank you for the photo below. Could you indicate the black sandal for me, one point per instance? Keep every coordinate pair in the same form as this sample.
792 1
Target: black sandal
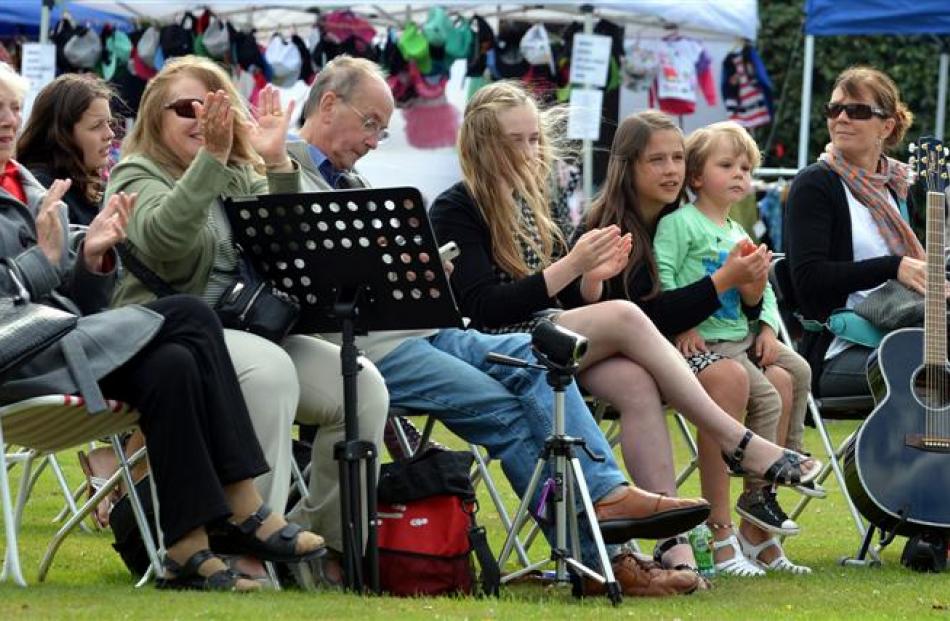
188 578
786 470
280 547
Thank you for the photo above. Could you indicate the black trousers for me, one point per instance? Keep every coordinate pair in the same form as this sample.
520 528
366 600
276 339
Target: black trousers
846 375
193 416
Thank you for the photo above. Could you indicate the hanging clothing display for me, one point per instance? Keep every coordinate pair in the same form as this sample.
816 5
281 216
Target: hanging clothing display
746 88
684 66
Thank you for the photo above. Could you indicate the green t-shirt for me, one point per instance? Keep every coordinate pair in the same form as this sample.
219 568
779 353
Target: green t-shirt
688 247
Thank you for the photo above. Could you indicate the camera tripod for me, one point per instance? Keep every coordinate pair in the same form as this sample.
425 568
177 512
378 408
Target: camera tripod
560 448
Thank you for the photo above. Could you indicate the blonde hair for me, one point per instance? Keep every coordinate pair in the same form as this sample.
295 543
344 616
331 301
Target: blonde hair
491 165
700 144
859 80
14 81
146 135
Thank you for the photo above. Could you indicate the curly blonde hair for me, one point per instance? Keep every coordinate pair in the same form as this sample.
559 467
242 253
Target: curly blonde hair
701 142
146 135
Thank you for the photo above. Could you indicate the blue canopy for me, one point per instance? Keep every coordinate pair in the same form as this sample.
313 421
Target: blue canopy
877 17
23 17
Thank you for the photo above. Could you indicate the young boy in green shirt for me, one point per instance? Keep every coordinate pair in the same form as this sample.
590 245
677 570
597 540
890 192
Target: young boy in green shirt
693 242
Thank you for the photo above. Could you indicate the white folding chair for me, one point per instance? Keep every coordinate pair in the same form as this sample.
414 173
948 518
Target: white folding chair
850 407
51 423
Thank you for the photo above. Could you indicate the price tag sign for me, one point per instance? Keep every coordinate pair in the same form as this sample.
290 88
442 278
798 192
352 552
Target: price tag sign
590 60
583 121
39 67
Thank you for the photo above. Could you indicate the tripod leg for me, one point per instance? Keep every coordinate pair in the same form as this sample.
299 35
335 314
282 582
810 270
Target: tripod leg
613 589
572 516
522 512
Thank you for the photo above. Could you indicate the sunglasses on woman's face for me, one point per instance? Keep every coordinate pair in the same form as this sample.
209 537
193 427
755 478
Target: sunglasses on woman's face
184 108
856 111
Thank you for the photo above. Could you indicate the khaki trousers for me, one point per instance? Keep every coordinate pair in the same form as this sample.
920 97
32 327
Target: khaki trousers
765 404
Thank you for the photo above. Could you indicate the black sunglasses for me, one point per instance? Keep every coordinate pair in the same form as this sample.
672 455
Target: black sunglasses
183 107
856 111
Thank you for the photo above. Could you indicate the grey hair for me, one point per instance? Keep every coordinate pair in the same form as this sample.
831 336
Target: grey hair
341 75
14 81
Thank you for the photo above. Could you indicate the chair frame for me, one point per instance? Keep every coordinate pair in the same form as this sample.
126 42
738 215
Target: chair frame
815 407
28 424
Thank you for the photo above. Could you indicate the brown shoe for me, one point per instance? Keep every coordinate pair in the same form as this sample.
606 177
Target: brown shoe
644 578
636 514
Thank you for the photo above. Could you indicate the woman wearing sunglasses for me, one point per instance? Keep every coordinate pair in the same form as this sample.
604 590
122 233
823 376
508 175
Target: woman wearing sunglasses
193 142
69 136
845 230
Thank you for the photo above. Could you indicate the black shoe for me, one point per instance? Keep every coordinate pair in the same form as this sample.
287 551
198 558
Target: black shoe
413 436
760 506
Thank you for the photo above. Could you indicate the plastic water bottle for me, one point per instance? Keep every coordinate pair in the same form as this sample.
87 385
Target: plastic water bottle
700 539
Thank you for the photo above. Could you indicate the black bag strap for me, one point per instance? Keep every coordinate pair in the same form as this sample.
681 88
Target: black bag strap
144 273
491 574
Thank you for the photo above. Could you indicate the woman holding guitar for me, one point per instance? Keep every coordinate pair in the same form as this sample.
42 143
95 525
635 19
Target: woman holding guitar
846 222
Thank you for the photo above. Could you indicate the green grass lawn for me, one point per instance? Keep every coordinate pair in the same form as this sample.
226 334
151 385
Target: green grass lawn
88 580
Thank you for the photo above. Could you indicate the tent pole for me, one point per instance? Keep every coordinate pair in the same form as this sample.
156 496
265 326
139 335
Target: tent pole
45 10
942 93
587 145
803 128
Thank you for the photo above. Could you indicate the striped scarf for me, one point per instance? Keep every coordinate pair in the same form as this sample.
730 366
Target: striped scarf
872 190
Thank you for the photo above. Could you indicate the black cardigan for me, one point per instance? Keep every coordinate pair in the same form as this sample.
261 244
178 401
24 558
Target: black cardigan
483 297
672 311
821 255
81 211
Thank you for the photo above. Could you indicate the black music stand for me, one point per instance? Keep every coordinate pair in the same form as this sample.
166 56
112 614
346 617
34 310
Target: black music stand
355 260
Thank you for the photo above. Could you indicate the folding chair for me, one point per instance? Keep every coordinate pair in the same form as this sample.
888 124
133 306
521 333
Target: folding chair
856 407
51 423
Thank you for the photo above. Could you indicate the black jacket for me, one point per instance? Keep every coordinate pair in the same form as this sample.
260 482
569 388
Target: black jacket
81 210
672 311
821 255
483 297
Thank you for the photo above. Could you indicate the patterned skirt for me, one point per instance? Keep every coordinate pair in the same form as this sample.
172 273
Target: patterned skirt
698 362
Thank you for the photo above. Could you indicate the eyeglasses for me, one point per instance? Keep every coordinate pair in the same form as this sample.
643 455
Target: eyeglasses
856 111
370 125
183 108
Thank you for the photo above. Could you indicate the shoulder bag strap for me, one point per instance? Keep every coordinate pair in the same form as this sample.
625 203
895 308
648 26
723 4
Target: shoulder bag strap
149 278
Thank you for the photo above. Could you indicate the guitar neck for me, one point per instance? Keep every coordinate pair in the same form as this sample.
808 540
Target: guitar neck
935 310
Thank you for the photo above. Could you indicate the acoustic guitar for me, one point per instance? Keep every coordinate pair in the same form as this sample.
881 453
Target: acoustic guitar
898 468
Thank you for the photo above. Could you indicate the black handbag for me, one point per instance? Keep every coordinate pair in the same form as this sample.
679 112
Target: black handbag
26 328
249 303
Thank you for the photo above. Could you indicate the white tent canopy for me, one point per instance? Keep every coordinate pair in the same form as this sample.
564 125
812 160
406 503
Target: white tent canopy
736 18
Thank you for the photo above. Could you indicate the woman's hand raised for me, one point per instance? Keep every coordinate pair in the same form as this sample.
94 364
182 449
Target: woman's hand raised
107 229
268 131
216 120
593 248
49 227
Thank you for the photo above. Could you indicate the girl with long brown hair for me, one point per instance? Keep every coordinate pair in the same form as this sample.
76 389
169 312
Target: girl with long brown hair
69 135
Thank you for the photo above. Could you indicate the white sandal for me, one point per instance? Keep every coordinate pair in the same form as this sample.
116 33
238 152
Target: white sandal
738 565
779 563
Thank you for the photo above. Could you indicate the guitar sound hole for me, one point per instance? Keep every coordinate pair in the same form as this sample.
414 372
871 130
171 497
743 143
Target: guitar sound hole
932 387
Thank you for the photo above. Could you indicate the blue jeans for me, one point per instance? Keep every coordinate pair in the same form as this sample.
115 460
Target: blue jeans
507 410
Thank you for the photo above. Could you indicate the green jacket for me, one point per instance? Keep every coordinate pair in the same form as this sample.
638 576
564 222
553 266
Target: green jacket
170 230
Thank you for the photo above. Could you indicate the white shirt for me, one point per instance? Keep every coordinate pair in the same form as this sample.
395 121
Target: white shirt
867 243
